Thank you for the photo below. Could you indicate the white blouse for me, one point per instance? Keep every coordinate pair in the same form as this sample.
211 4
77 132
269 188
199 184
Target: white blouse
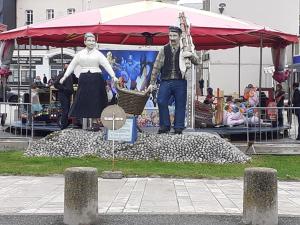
89 61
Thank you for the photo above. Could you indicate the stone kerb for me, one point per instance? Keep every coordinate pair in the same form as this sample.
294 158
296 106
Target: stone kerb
260 206
81 196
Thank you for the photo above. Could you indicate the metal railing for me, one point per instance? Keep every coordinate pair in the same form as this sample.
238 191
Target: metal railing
16 121
271 124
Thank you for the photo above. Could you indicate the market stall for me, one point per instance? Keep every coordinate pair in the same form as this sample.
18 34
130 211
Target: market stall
142 23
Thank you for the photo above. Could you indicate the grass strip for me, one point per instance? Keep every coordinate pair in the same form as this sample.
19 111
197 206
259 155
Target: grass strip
14 163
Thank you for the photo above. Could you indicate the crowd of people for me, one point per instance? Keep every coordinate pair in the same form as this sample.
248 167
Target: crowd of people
42 83
246 110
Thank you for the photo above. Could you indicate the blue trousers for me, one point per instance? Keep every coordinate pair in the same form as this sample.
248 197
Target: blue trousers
177 89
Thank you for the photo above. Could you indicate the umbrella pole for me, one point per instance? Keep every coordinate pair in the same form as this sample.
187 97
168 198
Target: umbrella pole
290 88
30 69
30 118
260 81
239 71
3 84
19 72
260 68
193 97
62 58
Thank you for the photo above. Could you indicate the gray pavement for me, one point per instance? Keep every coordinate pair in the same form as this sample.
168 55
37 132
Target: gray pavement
280 147
21 195
141 219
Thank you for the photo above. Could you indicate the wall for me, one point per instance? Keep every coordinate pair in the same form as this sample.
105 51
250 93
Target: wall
224 63
8 13
60 7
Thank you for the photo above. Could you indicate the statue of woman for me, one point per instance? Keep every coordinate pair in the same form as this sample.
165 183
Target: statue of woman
91 96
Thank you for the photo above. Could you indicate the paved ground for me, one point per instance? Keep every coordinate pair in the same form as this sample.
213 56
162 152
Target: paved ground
280 147
38 195
140 219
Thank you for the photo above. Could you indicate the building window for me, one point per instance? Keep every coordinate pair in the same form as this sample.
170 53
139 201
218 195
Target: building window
49 14
37 47
54 71
24 74
71 11
29 16
296 49
206 5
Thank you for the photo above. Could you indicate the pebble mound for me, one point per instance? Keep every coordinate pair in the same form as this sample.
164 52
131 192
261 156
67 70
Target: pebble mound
189 147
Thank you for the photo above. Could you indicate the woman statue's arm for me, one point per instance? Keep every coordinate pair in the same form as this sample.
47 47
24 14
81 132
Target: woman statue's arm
106 65
70 69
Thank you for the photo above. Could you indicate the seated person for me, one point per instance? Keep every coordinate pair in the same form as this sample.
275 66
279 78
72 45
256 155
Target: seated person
264 99
209 97
246 92
271 111
254 120
250 95
35 100
38 82
237 114
250 114
229 100
50 82
232 116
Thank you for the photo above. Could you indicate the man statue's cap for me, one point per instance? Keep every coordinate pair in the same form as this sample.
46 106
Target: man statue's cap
175 29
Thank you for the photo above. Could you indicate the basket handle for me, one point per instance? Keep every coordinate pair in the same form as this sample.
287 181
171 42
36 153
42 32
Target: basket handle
121 84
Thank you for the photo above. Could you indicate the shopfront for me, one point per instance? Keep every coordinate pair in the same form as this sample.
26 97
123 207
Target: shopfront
56 62
24 69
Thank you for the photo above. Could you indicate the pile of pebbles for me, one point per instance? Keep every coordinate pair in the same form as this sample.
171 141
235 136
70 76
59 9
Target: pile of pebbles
189 147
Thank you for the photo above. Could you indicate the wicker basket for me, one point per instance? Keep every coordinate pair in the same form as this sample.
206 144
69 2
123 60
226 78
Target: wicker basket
133 102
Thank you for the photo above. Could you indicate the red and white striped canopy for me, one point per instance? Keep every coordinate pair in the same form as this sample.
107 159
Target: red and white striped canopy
132 23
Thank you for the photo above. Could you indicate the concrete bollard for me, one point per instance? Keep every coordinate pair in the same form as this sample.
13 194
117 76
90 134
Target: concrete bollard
81 196
260 205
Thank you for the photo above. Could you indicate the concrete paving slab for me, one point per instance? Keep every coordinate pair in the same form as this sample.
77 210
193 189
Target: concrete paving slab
38 195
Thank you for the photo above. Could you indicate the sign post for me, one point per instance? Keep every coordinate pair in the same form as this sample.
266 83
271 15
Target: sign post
113 118
127 133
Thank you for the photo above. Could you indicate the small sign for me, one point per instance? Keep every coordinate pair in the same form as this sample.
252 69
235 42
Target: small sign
25 60
113 117
127 133
56 59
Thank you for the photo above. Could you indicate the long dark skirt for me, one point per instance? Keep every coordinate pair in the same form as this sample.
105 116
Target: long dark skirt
91 96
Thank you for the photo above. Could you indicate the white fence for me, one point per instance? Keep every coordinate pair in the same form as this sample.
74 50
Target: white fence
264 124
16 121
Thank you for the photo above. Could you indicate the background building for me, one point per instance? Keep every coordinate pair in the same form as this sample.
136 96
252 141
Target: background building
220 68
8 13
47 60
223 64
